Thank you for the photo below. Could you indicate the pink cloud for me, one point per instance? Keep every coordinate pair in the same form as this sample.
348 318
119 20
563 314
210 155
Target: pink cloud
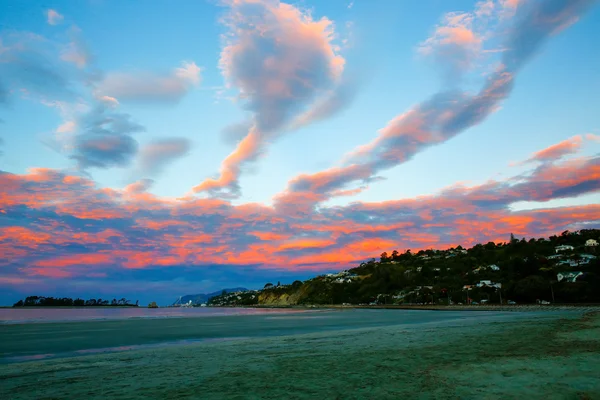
455 43
559 150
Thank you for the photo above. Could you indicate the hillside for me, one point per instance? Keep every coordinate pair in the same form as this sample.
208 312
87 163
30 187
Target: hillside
563 268
203 297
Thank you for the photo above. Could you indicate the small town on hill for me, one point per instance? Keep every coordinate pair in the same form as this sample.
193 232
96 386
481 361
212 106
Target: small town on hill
561 269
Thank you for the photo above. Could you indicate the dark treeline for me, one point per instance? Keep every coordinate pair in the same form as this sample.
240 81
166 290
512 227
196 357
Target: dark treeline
41 301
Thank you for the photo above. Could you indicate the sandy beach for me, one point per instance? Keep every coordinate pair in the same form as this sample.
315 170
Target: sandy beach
354 354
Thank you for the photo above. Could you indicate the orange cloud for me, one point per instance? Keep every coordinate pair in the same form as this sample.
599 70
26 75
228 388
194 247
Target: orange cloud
76 260
559 150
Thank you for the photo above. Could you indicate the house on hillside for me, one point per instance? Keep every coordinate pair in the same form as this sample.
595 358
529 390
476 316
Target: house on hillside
564 247
493 267
585 259
568 276
591 243
489 284
570 263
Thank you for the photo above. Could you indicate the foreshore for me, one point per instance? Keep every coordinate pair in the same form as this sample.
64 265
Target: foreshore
537 355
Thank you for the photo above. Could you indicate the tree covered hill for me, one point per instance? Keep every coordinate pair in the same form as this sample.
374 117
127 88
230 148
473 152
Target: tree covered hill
563 268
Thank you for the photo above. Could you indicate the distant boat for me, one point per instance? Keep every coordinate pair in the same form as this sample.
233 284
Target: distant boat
179 303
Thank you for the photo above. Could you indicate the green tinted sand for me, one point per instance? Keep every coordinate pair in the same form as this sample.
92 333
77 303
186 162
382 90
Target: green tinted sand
550 358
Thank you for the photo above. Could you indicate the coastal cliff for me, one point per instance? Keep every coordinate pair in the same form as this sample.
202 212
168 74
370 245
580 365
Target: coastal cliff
278 299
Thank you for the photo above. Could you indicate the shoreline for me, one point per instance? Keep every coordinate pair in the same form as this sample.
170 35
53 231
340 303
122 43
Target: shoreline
501 308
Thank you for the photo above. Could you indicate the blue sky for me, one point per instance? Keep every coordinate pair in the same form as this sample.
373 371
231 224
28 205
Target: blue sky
162 73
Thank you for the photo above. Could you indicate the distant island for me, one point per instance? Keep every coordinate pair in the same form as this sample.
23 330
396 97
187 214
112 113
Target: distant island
42 301
560 269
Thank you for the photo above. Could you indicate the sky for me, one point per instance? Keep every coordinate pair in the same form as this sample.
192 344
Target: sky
150 150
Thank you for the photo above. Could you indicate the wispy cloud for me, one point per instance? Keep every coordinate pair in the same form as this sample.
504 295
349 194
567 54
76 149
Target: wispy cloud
156 155
559 150
76 51
146 87
282 61
101 137
53 17
445 114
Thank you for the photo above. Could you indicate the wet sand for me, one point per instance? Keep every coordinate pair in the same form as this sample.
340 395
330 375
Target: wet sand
357 354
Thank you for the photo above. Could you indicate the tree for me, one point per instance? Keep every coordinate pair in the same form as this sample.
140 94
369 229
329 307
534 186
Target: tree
296 284
268 285
384 257
278 283
532 288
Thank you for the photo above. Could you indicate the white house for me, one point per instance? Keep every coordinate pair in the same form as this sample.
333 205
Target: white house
568 276
493 267
591 243
489 284
563 247
571 263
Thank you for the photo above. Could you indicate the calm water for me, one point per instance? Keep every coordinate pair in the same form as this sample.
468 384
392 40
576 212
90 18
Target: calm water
47 314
